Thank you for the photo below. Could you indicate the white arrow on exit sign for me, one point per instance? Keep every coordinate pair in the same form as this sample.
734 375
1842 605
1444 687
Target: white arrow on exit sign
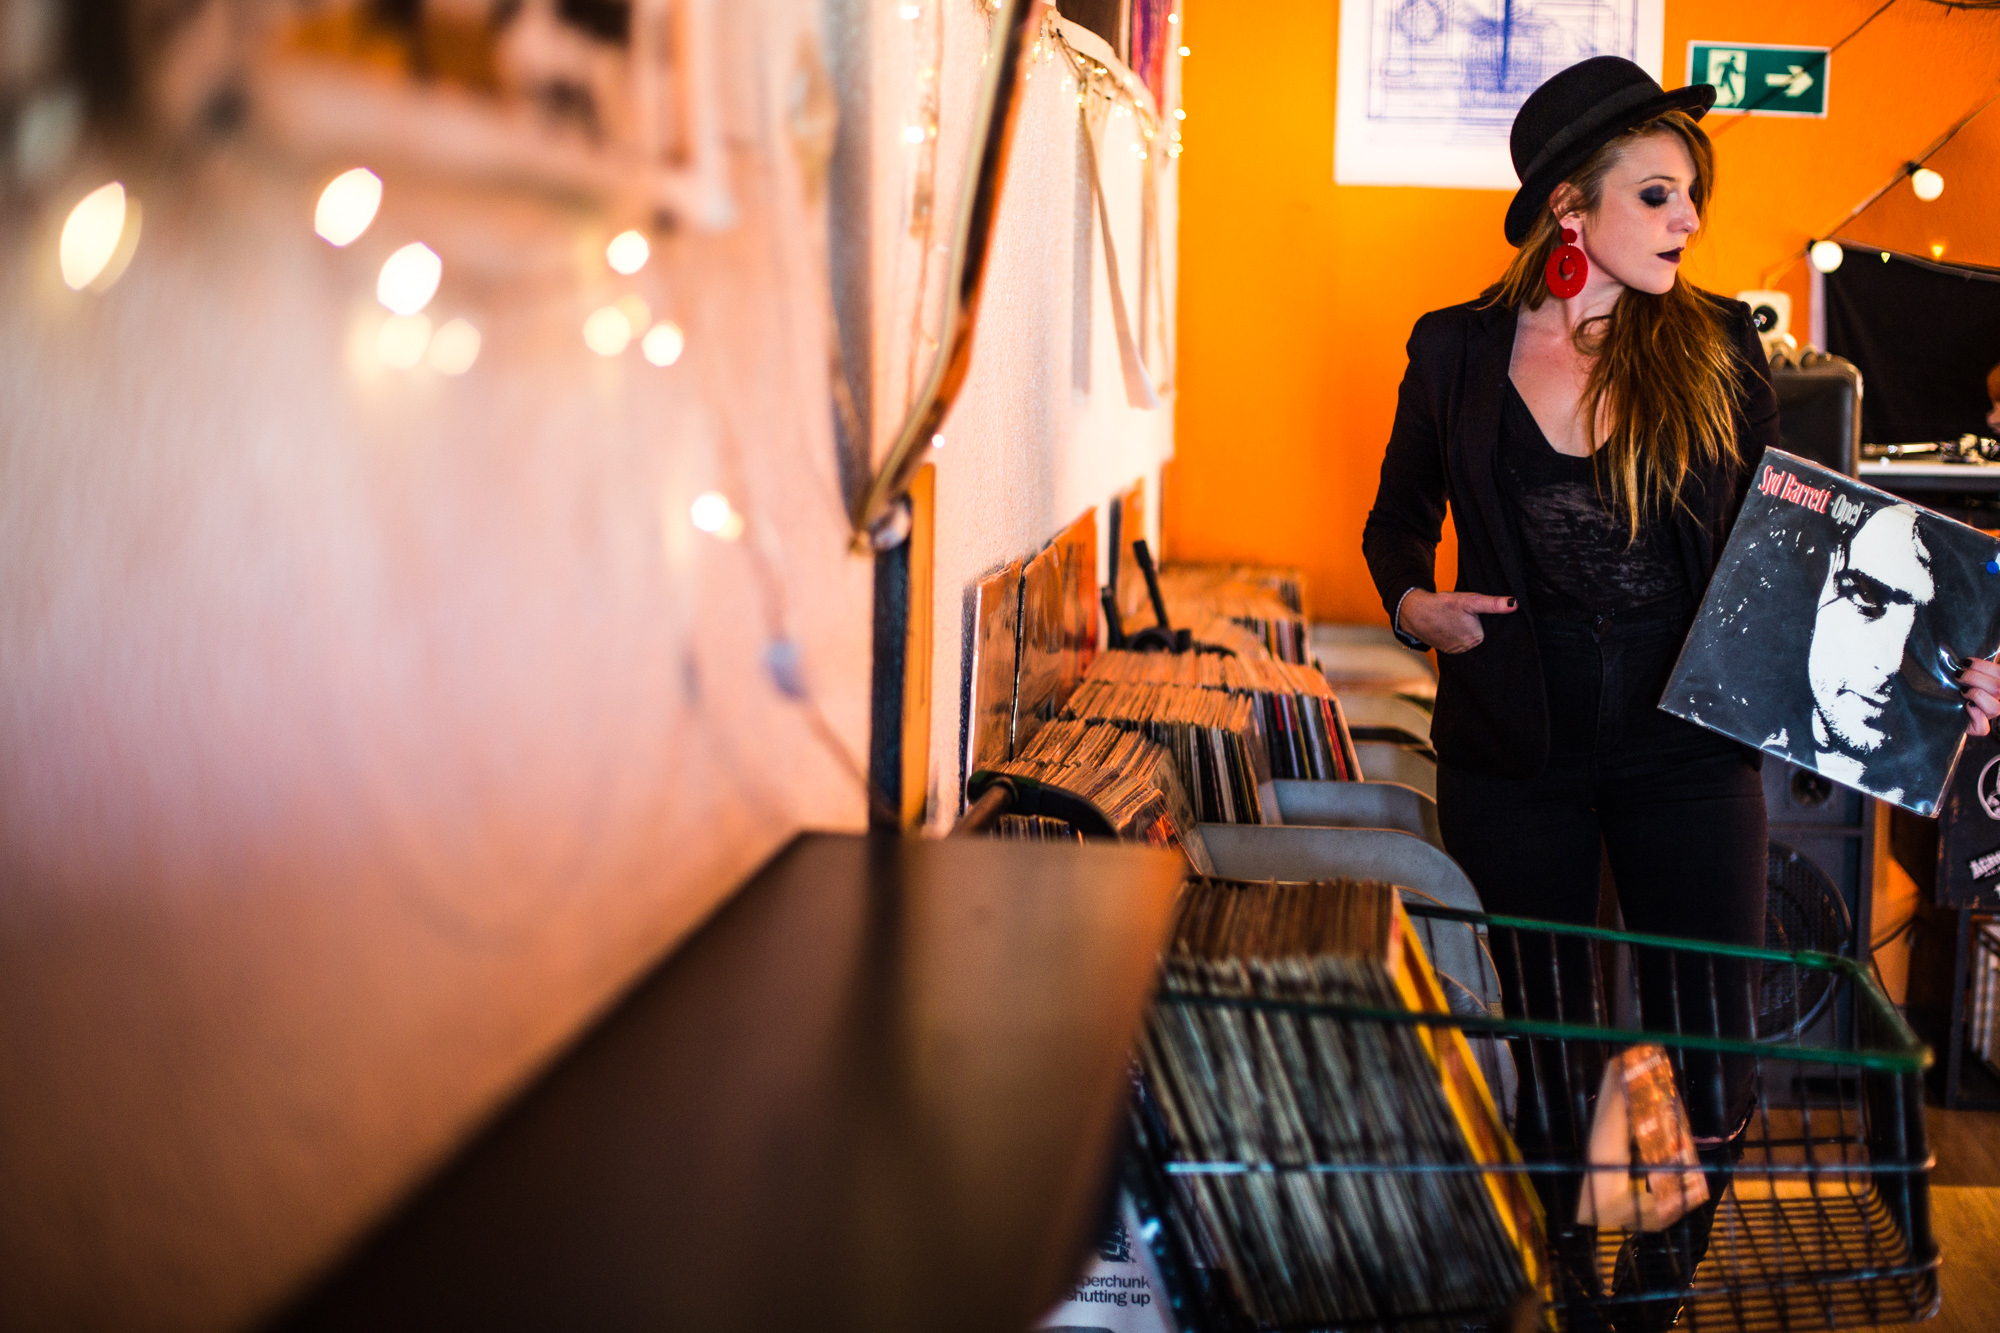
1794 83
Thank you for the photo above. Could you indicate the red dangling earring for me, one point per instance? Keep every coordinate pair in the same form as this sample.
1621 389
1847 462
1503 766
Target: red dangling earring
1567 268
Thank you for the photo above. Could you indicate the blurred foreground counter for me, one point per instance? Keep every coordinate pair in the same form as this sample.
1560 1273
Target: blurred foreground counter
880 1089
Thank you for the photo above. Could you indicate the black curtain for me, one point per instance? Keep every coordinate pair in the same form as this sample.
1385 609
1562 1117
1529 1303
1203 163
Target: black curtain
1924 336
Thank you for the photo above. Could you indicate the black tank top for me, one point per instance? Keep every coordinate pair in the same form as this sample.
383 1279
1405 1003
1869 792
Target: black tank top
1574 532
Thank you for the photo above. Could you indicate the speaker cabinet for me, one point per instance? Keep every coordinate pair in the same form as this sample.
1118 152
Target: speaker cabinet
1819 412
1834 828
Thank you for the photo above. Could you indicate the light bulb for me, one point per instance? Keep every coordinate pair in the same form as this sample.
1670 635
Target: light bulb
607 331
347 205
636 312
90 237
1937 249
907 12
1927 183
913 134
409 279
1826 255
712 513
454 348
628 252
663 343
402 341
1185 53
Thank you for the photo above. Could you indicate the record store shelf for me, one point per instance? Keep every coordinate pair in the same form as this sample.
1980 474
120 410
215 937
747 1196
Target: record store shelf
1825 1222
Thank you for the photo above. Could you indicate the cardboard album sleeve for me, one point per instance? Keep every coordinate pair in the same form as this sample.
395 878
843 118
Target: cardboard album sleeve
1834 630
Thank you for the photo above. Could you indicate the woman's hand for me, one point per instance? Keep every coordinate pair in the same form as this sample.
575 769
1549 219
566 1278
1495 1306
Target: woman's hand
1979 682
1449 622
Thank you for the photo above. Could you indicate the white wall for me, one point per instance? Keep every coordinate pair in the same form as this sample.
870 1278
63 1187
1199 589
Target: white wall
1043 429
361 734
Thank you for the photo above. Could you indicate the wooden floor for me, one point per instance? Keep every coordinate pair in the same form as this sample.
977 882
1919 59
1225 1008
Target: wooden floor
1965 1218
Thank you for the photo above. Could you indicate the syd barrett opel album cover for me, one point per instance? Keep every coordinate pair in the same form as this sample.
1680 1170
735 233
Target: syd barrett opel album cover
1834 630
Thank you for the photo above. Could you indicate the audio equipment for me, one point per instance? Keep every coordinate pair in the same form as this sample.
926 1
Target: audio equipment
1819 411
1822 836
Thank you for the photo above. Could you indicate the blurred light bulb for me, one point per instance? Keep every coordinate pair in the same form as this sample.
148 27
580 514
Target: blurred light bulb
937 441
1180 113
91 236
663 343
1937 249
607 331
628 252
712 513
409 279
454 347
637 313
913 134
401 343
1185 53
907 12
1826 255
1927 183
347 205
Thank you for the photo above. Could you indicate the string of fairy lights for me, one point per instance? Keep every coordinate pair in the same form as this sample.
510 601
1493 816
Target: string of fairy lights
415 331
1826 253
101 234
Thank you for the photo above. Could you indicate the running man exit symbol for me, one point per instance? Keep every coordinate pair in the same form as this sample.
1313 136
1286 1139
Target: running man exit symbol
1759 80
1728 71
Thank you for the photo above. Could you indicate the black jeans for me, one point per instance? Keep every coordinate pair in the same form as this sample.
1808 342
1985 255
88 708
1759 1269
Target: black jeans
1678 810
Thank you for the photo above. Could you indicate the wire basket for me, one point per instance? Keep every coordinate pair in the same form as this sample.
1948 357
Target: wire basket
1823 1219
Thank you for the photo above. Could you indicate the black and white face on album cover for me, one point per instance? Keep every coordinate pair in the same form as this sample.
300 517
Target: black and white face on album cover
1835 628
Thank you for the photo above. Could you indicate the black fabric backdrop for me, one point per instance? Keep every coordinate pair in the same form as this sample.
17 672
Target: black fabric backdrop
1924 336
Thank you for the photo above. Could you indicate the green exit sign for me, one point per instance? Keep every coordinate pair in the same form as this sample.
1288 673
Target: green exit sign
1762 80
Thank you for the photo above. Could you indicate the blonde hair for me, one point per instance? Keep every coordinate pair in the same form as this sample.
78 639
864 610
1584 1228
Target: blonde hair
1663 373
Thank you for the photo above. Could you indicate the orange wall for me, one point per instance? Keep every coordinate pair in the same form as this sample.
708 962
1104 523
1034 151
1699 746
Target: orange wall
1296 296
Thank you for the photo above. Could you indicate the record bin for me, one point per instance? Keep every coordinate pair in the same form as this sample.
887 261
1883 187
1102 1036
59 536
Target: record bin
1825 1221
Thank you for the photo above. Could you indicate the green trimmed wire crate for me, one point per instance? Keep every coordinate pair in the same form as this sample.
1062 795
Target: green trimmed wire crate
1824 1220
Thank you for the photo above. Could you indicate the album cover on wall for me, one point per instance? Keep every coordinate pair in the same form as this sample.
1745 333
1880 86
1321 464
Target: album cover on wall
1834 630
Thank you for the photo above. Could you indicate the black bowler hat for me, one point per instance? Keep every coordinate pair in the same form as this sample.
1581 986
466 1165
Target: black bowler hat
1574 114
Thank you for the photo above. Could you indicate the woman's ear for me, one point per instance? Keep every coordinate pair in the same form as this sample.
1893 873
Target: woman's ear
1566 202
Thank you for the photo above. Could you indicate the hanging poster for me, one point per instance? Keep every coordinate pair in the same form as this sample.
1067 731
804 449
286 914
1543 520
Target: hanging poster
1428 88
1834 630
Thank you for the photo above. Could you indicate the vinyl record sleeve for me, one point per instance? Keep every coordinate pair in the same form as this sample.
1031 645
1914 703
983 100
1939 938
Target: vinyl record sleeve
1834 630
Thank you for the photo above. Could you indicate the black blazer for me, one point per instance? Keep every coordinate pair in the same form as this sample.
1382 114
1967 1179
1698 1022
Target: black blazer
1492 716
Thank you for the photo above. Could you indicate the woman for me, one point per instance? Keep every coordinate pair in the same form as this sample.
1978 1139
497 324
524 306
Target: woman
1592 422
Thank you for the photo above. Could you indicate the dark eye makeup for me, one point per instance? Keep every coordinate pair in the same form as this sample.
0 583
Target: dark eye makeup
1653 195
